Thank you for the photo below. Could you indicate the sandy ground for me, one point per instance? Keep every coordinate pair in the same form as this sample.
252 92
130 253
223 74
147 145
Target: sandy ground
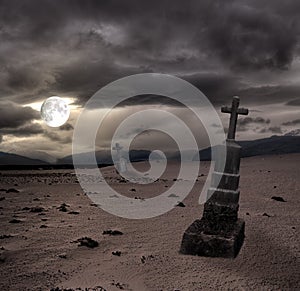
39 252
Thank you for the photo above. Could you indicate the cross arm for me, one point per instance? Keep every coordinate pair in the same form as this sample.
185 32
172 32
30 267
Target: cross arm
226 109
243 111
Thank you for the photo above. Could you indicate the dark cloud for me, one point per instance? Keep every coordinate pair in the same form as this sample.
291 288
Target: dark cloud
13 115
291 123
217 87
57 137
73 48
247 123
294 102
247 36
272 129
76 47
24 130
269 94
66 126
248 120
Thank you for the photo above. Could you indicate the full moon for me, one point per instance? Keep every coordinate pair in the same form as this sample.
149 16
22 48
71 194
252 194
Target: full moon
55 111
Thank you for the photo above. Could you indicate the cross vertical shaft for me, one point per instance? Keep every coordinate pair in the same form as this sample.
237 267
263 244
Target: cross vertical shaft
220 233
234 111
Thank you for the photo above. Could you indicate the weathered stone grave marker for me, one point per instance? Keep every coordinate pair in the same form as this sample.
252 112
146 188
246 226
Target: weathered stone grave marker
121 163
219 233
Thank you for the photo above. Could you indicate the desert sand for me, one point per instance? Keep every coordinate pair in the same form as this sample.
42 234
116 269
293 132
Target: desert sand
40 251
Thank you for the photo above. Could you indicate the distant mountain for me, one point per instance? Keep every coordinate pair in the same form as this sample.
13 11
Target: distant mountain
289 143
295 132
104 157
14 159
274 145
36 155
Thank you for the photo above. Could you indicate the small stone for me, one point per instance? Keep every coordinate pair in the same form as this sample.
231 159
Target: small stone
15 220
12 190
112 232
116 253
278 198
172 195
133 190
37 209
2 198
62 255
266 214
88 242
74 212
180 204
43 226
63 207
2 258
247 213
3 236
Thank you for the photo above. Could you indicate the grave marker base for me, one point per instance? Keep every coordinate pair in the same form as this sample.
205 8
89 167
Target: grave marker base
202 238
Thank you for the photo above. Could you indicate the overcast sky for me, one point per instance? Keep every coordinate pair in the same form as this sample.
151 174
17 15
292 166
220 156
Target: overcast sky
73 48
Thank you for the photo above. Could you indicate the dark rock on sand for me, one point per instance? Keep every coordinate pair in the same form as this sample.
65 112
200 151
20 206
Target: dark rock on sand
180 204
2 258
266 214
138 198
278 198
62 255
63 207
87 242
112 232
12 190
3 236
117 253
97 288
2 198
15 220
37 209
143 258
74 212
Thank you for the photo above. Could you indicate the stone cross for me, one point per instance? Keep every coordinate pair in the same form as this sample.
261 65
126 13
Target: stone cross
121 162
118 148
220 233
234 111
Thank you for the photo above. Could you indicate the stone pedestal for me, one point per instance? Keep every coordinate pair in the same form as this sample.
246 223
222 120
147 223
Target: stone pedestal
220 240
219 233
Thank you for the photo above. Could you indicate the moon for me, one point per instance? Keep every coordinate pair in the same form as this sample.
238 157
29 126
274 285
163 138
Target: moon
55 111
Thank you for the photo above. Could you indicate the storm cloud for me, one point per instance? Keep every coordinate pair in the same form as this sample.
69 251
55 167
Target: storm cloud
24 130
292 123
76 47
272 129
13 115
72 48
